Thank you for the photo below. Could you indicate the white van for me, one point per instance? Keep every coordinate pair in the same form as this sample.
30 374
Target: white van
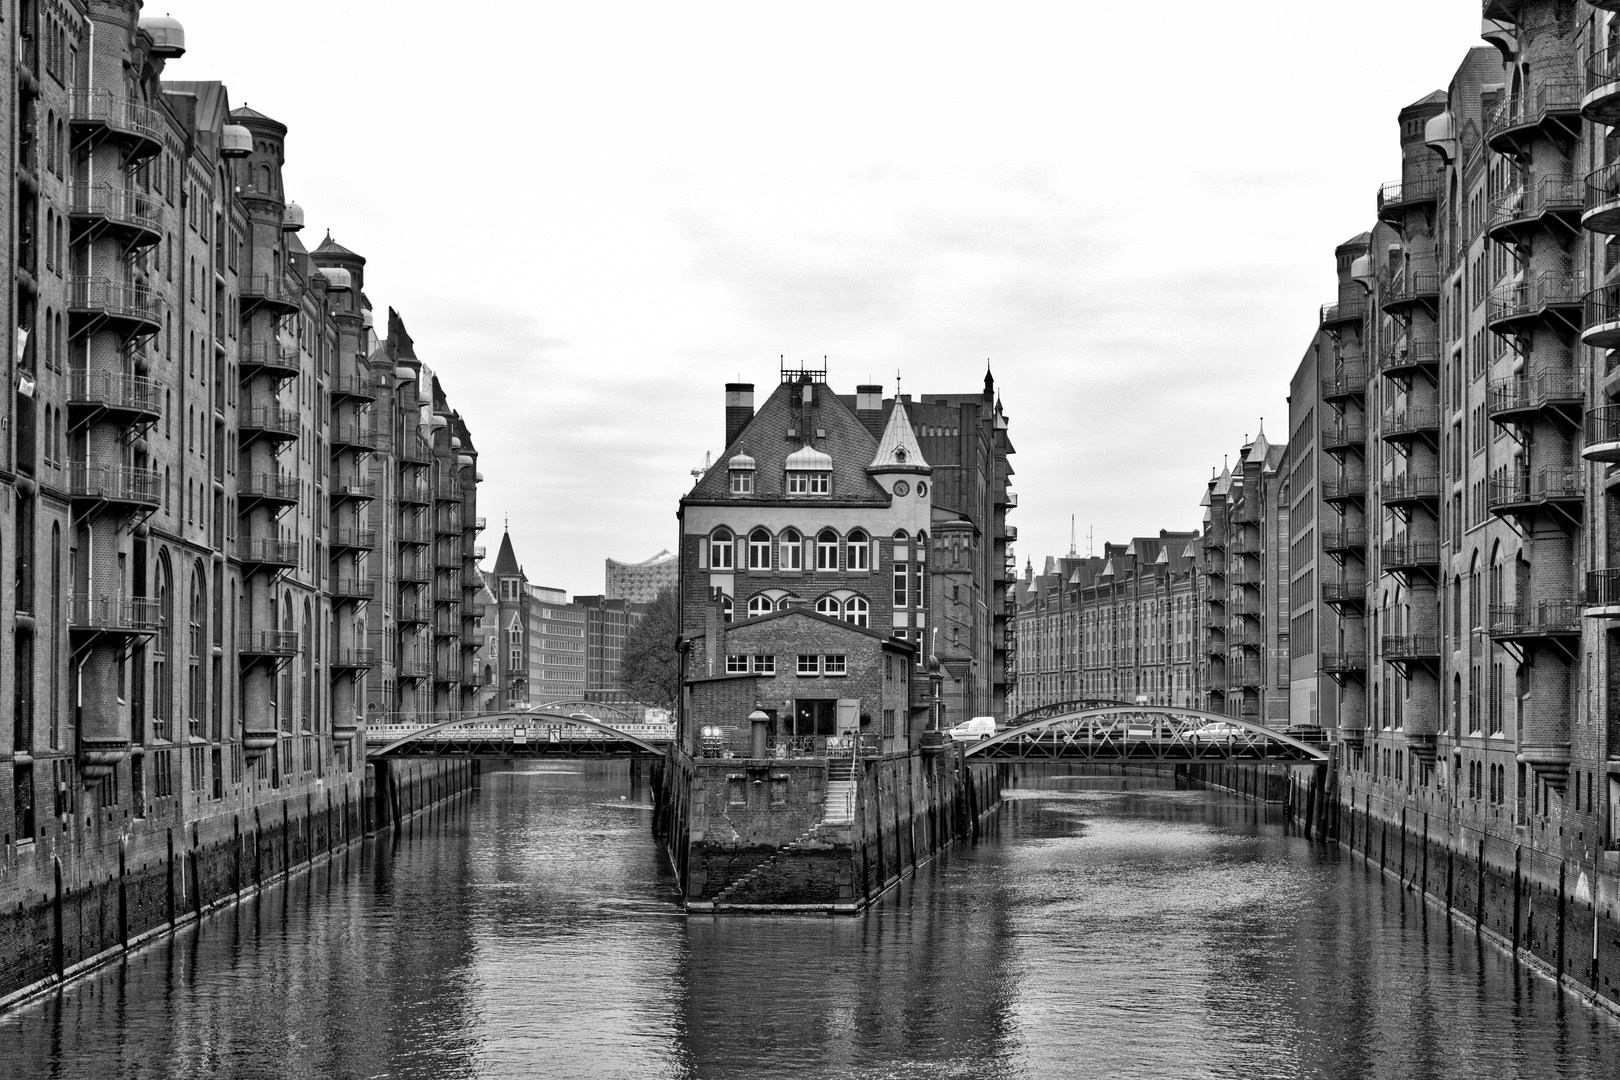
980 727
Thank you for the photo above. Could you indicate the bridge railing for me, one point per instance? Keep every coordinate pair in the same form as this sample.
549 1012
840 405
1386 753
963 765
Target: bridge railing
539 730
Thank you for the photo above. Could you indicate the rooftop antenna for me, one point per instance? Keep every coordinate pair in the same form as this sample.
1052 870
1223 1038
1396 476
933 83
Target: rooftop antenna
897 384
1071 536
1091 535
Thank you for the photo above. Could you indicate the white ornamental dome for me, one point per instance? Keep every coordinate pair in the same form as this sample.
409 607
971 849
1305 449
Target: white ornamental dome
809 459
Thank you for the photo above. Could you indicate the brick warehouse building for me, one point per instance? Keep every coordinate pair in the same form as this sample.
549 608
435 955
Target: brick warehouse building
224 487
833 505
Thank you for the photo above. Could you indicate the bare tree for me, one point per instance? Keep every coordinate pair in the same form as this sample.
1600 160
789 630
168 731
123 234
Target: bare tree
652 667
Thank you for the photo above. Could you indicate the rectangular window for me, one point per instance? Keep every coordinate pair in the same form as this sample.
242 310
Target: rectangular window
809 664
764 664
833 664
820 483
798 484
737 664
742 482
900 575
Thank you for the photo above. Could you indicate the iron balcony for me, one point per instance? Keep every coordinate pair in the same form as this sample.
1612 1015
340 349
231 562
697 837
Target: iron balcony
120 484
1600 103
1344 591
1349 382
448 489
353 659
1412 423
267 487
1551 106
1545 297
1410 489
1409 356
415 493
1541 619
1603 199
353 388
279 362
414 669
134 308
353 487
267 552
113 615
275 291
412 532
128 398
1398 196
1411 555
1344 663
1518 213
354 588
412 574
1340 489
268 422
134 215
1338 541
1410 287
1539 392
1406 647
349 435
254 644
1343 436
136 125
411 612
1550 486
347 539
1603 593
1347 312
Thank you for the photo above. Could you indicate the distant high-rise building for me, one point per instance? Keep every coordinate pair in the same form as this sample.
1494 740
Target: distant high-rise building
641 582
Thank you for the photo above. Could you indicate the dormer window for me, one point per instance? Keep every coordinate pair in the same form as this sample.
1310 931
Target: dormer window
741 468
809 483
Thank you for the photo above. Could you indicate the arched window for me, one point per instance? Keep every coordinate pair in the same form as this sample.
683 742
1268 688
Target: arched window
760 605
827 550
759 550
900 534
720 550
859 548
726 608
856 610
792 554
829 605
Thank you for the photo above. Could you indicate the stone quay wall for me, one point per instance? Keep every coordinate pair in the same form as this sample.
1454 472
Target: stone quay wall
67 907
746 835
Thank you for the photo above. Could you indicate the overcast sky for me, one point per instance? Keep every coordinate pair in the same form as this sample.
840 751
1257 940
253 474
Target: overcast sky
593 215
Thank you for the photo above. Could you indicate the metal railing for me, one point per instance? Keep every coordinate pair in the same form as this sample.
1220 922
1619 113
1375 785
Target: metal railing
415 493
114 613
354 658
262 485
354 487
1410 486
1351 310
1408 353
273 288
1547 97
103 296
1533 391
365 539
360 386
119 113
283 358
1398 193
258 549
1409 284
1343 434
1345 382
268 643
1543 617
270 419
349 433
1344 487
1549 483
123 206
1603 587
1410 646
116 483
105 389
414 669
1343 661
1341 590
1550 194
1342 539
1523 299
1603 67
354 588
1411 553
1412 420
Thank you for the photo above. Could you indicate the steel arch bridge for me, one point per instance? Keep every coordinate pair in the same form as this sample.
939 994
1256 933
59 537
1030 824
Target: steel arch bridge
1113 732
556 729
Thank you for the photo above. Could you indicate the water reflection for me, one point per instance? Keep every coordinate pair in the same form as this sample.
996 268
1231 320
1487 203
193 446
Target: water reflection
1106 927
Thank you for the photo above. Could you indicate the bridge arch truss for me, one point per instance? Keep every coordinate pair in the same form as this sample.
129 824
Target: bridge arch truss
1113 732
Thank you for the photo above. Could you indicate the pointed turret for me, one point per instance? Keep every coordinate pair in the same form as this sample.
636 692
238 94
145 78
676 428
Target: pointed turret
897 450
506 564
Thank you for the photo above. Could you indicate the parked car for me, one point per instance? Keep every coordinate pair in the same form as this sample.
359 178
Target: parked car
980 727
1216 732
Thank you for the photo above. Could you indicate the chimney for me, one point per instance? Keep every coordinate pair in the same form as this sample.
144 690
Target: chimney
869 408
714 632
739 408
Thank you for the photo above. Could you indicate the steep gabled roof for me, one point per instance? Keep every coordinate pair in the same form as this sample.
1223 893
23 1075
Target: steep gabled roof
898 450
506 564
765 439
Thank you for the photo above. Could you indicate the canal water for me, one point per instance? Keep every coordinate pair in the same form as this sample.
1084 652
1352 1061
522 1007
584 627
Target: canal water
1106 927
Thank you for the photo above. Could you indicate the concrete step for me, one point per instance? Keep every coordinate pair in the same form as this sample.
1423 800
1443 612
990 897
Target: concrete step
839 806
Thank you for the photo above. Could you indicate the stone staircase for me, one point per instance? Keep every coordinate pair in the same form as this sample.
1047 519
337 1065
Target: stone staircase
805 839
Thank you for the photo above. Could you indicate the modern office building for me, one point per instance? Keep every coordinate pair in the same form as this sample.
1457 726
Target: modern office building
640 582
